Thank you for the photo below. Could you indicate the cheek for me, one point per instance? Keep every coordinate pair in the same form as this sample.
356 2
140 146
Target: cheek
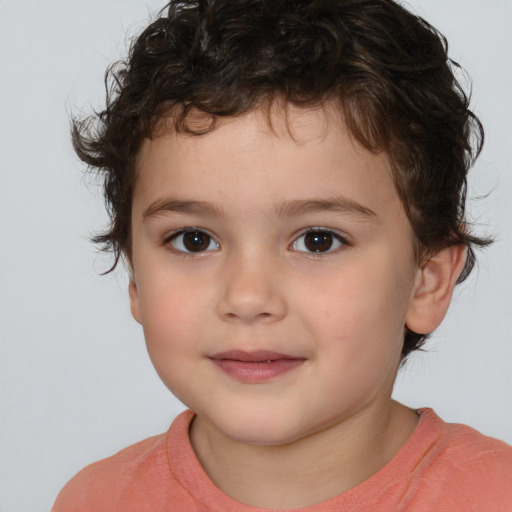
171 331
360 314
170 318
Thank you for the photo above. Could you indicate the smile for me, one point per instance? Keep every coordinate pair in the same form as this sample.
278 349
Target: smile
255 367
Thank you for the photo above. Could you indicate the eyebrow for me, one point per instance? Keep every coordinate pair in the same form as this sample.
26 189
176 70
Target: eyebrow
337 204
162 206
285 209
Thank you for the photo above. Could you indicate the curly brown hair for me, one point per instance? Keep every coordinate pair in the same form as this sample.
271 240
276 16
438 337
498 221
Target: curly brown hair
387 70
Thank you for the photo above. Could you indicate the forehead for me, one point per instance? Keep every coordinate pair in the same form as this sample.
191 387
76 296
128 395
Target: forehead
276 123
264 157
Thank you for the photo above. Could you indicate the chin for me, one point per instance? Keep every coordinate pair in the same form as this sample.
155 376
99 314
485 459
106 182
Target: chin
259 429
259 437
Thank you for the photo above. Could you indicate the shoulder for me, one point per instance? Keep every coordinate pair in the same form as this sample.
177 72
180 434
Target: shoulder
103 481
463 444
132 479
468 467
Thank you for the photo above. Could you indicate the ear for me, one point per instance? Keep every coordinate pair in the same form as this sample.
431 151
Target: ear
434 288
134 299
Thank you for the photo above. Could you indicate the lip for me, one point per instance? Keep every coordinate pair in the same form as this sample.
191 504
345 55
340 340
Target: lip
255 367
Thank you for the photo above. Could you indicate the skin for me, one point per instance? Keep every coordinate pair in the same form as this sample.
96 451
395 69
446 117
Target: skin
328 424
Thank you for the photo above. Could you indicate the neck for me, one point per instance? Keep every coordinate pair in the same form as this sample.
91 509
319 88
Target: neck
310 470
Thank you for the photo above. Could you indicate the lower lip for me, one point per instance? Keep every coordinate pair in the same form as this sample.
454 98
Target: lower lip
257 372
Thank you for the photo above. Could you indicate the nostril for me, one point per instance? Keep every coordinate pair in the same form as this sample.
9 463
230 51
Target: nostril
250 297
240 316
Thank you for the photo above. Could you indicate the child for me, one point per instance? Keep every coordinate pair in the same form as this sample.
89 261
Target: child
286 181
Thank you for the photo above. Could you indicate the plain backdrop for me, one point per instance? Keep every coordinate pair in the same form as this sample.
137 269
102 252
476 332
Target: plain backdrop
76 384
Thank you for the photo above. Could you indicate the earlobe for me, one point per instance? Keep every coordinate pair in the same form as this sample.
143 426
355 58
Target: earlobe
434 288
134 300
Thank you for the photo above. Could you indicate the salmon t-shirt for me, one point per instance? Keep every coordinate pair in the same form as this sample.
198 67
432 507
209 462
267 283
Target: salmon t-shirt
442 467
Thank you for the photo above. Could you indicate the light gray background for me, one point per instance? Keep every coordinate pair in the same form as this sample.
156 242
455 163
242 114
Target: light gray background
75 382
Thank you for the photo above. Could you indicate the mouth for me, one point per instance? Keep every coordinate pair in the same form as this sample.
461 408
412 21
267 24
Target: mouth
255 367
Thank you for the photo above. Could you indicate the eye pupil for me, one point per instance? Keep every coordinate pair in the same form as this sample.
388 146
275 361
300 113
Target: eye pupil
318 241
196 241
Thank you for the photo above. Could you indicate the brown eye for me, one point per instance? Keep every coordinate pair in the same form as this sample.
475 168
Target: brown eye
318 241
193 241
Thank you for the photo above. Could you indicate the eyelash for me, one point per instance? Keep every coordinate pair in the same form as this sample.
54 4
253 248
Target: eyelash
181 233
335 239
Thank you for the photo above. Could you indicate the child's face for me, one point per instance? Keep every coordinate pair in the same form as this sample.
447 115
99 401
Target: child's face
250 246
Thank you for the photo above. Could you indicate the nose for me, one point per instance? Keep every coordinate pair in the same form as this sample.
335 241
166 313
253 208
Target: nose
252 292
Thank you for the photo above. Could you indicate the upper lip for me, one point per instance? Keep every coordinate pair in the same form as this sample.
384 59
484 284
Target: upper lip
253 356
